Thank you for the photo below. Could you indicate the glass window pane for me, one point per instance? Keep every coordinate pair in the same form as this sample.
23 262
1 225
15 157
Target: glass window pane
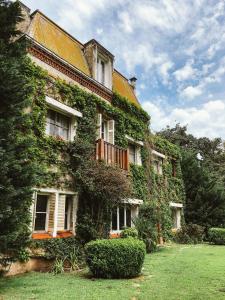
41 204
40 221
114 218
132 155
121 216
128 216
66 213
57 124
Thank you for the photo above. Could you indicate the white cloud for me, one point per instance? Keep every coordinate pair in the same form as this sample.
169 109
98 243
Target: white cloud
191 92
207 120
187 72
164 71
126 22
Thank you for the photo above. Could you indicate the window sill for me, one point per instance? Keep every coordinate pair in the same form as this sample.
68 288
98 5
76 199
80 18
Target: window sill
48 235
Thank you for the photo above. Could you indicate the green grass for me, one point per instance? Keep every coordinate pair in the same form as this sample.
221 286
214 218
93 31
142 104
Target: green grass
176 272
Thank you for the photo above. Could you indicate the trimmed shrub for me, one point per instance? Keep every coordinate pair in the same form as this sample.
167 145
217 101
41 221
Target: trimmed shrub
116 258
189 234
129 232
217 236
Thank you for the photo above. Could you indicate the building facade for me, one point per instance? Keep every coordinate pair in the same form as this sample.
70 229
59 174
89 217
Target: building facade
89 67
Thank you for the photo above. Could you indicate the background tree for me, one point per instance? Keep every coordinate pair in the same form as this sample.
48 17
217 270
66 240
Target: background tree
204 179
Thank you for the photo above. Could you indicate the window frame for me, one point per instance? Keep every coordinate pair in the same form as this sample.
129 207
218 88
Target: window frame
134 155
47 213
158 163
118 230
70 199
48 124
101 70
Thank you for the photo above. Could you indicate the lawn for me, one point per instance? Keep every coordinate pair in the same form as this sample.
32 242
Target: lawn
175 272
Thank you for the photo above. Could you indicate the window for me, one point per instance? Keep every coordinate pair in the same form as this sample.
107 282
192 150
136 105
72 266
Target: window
41 213
132 153
68 205
101 71
157 165
176 217
104 130
121 217
58 125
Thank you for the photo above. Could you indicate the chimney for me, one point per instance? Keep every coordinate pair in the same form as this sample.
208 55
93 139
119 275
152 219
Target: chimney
133 82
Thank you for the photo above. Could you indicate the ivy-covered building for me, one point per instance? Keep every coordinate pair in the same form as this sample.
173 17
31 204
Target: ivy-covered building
78 92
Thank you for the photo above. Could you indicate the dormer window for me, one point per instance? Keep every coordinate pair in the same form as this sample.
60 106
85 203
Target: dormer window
101 70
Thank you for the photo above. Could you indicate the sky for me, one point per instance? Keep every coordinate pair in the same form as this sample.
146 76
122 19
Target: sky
175 48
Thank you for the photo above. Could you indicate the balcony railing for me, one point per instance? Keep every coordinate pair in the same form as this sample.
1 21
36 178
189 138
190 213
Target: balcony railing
112 155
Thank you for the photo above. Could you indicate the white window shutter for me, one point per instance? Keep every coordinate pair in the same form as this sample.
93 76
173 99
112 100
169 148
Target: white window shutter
61 212
111 131
99 126
138 156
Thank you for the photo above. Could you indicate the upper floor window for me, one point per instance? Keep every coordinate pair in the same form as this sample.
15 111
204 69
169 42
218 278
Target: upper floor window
58 125
101 70
132 153
105 129
157 165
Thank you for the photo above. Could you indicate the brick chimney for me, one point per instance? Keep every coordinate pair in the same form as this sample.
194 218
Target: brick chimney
133 82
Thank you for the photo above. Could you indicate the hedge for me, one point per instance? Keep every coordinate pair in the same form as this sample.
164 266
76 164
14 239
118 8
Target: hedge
115 258
129 232
217 236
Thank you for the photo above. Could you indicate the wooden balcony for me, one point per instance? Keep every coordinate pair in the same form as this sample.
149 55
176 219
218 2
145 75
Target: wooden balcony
112 155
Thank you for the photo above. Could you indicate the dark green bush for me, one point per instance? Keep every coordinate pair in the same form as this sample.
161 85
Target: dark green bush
216 236
129 232
189 234
115 258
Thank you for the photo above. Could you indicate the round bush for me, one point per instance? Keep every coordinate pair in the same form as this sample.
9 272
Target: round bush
217 236
189 234
116 258
129 232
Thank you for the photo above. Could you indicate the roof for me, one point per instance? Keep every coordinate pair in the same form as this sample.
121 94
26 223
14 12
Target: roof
95 42
54 38
121 86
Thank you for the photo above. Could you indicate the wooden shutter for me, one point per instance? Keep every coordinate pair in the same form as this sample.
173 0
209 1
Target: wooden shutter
61 212
111 130
99 126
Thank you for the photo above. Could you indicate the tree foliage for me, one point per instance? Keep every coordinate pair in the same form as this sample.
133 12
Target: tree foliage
204 178
17 143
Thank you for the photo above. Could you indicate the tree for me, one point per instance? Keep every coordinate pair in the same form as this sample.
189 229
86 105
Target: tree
205 195
18 166
204 179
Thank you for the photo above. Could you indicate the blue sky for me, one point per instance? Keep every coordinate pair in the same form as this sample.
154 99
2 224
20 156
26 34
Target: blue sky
176 49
